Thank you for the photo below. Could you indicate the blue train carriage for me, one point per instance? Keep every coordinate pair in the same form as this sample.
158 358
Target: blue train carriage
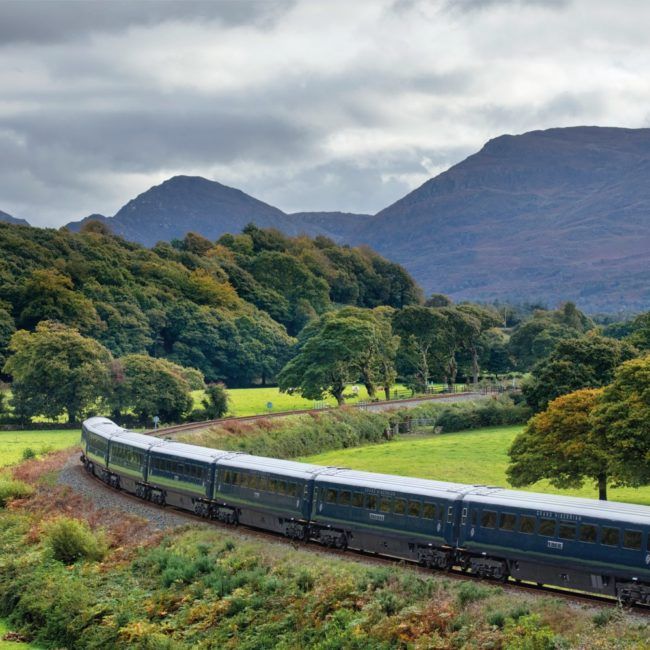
183 475
582 544
265 493
409 518
127 466
96 434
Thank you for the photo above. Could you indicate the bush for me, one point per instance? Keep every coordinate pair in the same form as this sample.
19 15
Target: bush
470 592
70 540
13 489
528 633
473 415
298 435
28 453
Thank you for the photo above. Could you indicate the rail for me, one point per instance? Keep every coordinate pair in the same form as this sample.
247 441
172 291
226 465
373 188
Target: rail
368 406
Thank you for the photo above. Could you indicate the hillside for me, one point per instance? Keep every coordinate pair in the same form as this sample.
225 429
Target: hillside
230 309
7 218
562 214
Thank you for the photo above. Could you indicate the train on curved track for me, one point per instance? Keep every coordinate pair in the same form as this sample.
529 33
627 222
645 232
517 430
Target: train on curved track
578 544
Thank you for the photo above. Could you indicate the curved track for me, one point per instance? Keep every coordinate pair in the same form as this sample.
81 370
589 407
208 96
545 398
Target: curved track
372 558
367 406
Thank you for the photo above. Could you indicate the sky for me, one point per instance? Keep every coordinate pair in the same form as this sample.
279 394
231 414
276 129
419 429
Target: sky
305 104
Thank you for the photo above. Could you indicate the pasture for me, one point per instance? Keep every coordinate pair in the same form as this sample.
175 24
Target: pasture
13 443
254 401
478 457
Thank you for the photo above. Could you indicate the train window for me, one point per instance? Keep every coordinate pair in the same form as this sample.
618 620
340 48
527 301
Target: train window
264 483
547 527
273 485
632 539
400 506
429 511
384 504
371 502
489 519
527 524
588 533
610 536
414 508
236 478
567 531
282 487
292 489
357 500
507 521
330 496
344 498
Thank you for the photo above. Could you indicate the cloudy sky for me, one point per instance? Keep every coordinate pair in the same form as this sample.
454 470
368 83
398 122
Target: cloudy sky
305 104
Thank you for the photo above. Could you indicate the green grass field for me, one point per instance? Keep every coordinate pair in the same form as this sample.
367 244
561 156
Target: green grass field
13 443
253 401
478 457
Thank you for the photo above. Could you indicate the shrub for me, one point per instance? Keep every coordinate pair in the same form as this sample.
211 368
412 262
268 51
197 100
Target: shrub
70 540
496 619
13 489
528 633
28 453
470 592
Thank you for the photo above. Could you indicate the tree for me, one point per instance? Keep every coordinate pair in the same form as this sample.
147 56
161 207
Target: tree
329 354
438 300
7 328
585 362
534 339
640 332
561 445
216 401
477 320
55 370
623 419
49 295
424 342
149 387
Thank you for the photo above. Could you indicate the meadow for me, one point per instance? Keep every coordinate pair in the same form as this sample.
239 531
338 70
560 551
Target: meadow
14 443
478 457
254 401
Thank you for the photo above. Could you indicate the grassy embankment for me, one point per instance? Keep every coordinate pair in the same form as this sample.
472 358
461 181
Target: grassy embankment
479 456
14 443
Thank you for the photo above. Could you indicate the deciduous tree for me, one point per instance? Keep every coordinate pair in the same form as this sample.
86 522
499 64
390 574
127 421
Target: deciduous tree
149 387
623 419
55 369
585 362
561 445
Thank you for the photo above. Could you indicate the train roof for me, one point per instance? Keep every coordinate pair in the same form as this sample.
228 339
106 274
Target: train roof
393 483
139 440
561 505
191 452
262 464
102 427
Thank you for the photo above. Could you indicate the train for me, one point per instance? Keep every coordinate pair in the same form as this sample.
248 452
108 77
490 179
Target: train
492 532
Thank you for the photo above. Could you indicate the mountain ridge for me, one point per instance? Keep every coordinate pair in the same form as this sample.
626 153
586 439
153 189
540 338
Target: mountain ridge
7 218
551 215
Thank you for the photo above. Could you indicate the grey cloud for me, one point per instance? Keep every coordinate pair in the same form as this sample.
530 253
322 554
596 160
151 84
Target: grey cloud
465 6
42 21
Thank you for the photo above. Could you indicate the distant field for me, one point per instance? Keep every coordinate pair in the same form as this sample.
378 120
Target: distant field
12 443
253 401
478 457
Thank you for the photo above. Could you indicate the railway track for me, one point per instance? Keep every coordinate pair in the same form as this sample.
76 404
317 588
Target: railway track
455 573
369 406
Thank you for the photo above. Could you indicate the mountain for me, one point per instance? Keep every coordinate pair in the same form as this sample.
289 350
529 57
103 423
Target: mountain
7 218
191 203
561 214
